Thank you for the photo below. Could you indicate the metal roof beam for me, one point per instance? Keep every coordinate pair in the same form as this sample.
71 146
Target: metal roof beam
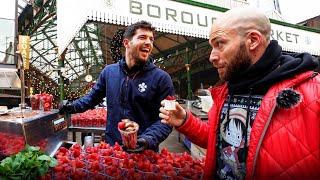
72 67
49 38
179 47
49 63
161 52
91 46
79 51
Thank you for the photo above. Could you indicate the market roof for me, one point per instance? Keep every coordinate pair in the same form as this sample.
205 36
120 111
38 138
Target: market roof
89 48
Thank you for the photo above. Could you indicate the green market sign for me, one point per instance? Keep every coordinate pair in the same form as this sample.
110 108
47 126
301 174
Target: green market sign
167 16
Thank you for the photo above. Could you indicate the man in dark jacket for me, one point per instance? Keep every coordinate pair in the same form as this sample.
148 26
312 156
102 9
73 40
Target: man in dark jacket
134 88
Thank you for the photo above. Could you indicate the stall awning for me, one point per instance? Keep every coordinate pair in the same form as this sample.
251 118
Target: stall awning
187 18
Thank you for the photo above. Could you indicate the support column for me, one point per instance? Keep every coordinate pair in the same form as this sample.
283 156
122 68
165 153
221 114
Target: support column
189 81
61 78
188 65
23 104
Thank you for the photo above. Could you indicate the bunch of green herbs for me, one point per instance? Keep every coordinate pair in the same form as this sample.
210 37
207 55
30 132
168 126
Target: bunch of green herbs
30 163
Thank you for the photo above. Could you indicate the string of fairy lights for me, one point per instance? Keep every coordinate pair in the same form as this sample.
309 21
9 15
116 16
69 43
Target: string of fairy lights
116 44
40 83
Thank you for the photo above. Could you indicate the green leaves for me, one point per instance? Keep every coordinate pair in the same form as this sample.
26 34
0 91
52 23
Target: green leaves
32 148
44 158
27 164
53 162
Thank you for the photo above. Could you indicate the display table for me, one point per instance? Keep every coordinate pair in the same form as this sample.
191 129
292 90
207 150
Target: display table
45 129
91 121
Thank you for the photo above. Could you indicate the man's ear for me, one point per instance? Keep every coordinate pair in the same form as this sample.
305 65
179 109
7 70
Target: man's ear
254 40
126 43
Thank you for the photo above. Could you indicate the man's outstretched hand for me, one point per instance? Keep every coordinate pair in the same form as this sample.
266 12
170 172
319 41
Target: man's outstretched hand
142 145
173 117
67 109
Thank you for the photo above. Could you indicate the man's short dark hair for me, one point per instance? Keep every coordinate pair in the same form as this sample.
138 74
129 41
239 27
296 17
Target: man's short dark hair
131 30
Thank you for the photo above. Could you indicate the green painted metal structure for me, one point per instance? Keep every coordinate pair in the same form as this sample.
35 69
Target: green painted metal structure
89 51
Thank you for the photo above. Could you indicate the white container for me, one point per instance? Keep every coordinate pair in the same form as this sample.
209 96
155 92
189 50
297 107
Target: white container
88 142
170 105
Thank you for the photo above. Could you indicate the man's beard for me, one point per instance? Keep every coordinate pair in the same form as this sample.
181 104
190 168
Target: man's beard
140 62
238 64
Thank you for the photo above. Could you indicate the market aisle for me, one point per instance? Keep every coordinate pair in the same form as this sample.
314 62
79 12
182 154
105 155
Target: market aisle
172 143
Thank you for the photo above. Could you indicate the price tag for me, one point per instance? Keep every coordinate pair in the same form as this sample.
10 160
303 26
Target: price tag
59 124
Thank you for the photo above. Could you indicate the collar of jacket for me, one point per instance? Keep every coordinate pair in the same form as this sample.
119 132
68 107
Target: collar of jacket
147 67
272 67
241 82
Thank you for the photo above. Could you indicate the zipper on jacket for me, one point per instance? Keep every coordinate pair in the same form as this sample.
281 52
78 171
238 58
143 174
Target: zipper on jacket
261 138
125 96
134 76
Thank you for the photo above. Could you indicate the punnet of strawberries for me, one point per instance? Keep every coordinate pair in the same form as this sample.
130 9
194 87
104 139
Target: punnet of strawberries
111 162
11 144
128 130
91 118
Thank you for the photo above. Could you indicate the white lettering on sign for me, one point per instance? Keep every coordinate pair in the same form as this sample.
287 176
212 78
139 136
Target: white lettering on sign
169 17
24 48
55 122
296 40
169 14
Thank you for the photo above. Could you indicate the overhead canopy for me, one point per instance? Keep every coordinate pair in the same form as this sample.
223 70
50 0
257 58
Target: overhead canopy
174 17
169 50
87 32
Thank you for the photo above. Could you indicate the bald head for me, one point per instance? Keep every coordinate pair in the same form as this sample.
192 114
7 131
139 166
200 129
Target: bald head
244 19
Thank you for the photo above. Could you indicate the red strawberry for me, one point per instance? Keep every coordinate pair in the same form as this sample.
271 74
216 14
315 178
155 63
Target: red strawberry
122 125
58 168
170 98
63 150
76 153
79 164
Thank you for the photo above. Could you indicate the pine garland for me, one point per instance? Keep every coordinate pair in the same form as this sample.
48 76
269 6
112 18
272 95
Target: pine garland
116 44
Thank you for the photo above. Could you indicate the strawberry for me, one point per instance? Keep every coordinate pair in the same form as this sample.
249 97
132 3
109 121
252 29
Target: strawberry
79 174
76 153
170 98
122 125
63 150
79 164
58 168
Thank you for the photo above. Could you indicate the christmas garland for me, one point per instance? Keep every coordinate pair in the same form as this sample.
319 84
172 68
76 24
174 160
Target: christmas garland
116 44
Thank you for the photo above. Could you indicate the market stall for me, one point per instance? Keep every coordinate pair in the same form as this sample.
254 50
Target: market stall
112 162
92 121
45 129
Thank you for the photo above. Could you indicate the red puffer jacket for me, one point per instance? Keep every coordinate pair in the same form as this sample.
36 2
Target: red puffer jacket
284 143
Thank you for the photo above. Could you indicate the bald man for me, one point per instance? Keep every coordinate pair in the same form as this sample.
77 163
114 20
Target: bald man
265 121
